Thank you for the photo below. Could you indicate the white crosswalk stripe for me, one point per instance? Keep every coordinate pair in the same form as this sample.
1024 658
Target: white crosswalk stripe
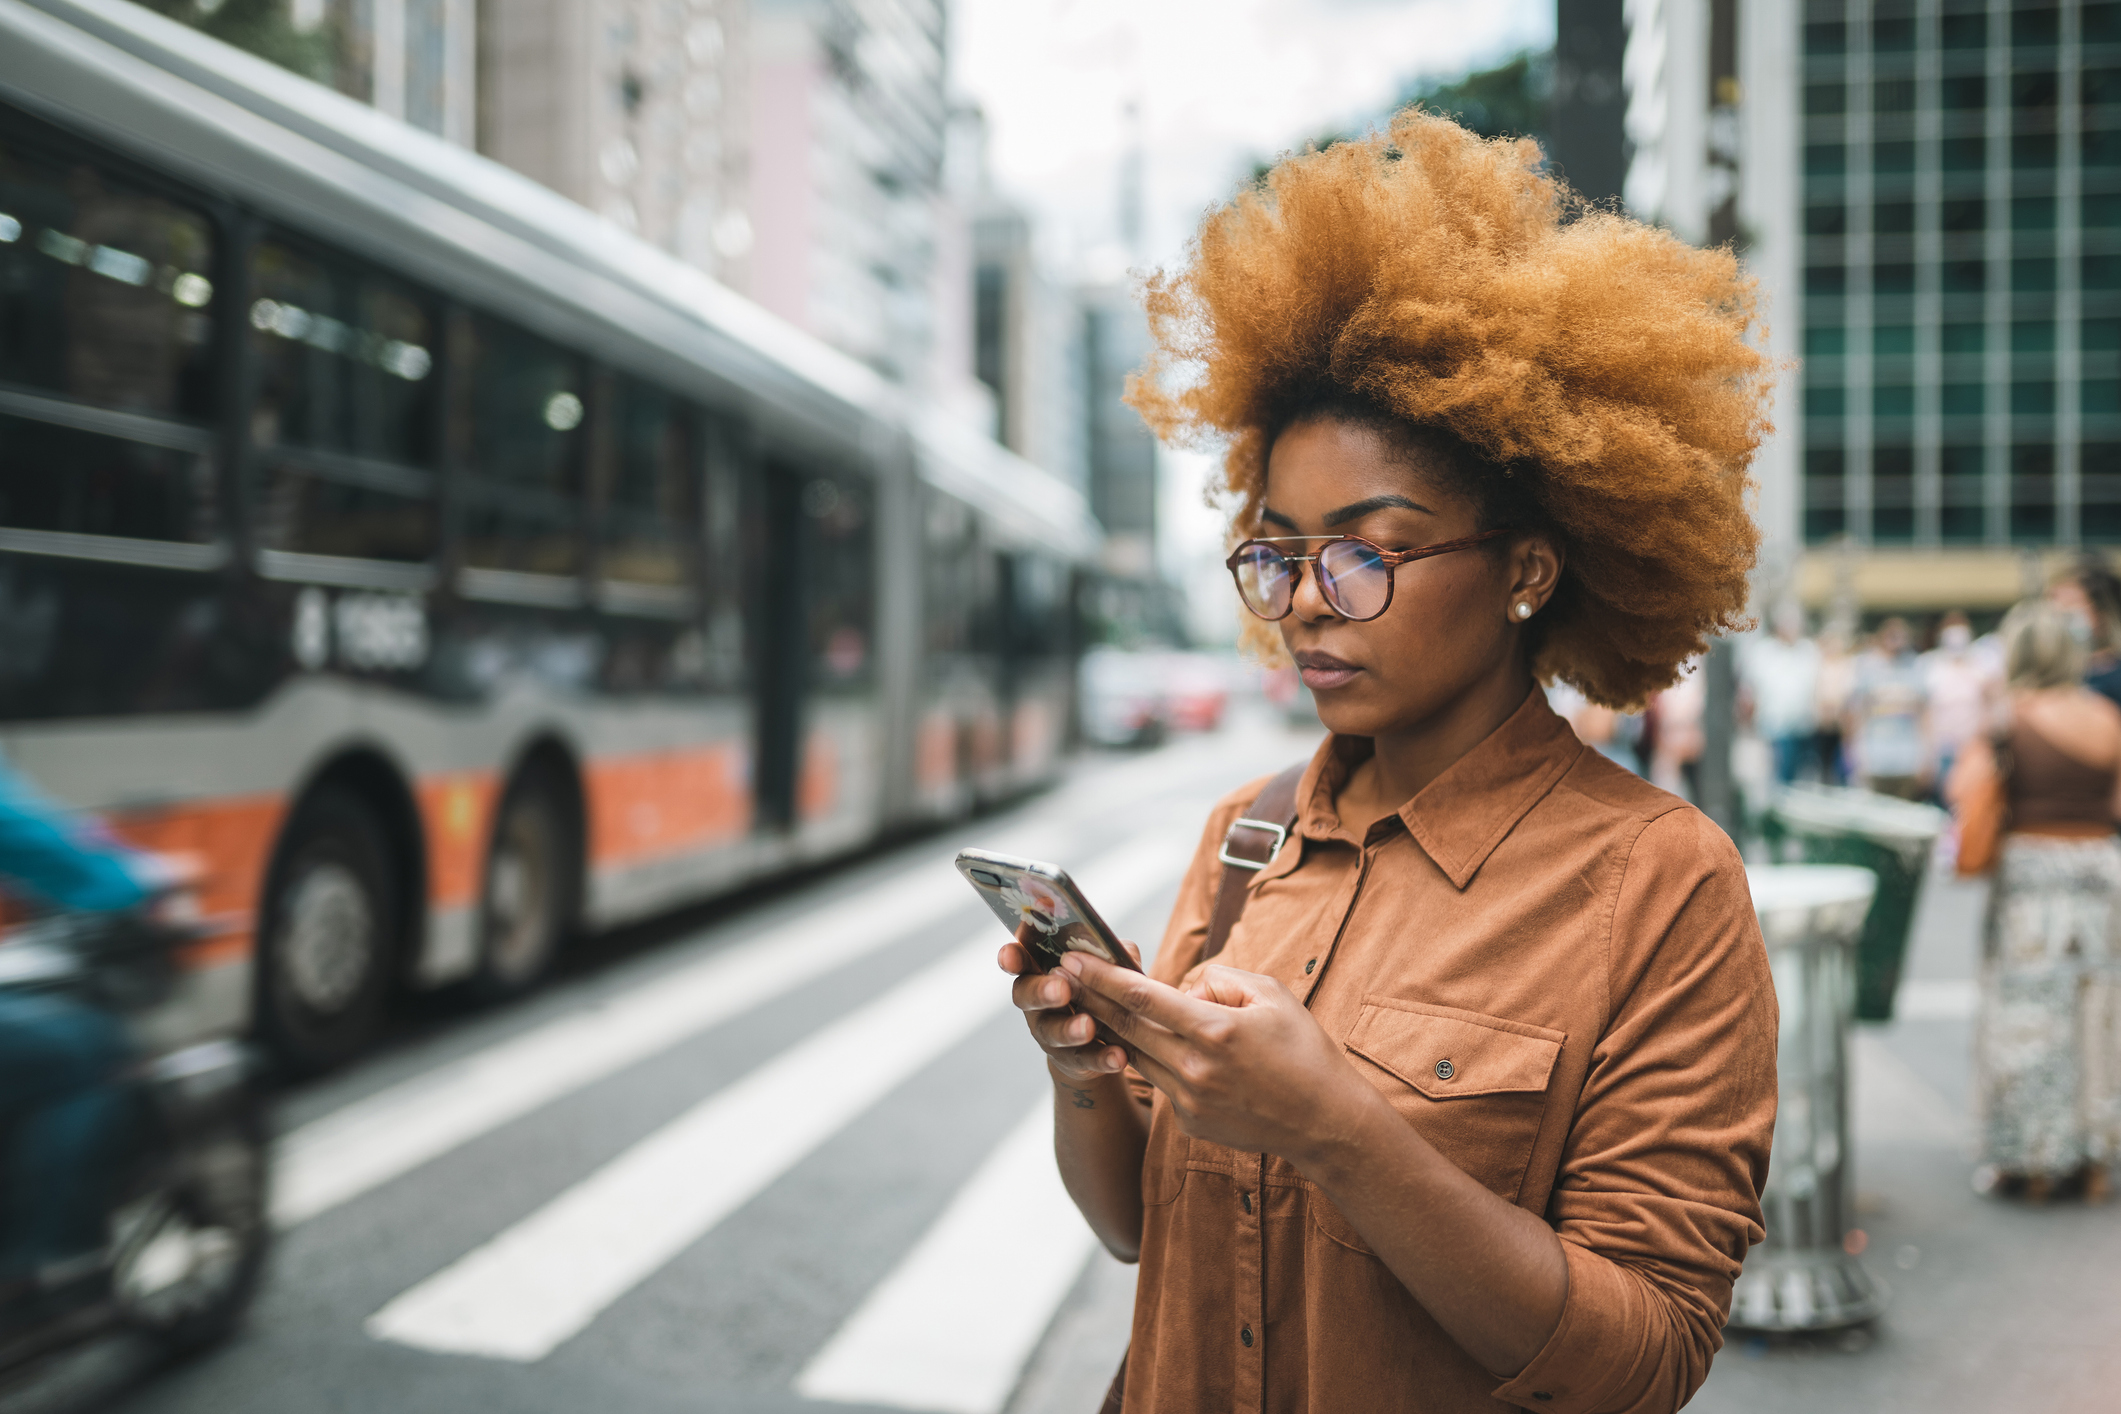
522 1294
950 1329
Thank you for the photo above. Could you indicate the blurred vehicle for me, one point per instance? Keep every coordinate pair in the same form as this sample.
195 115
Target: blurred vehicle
448 569
1124 701
1196 690
1137 697
134 1182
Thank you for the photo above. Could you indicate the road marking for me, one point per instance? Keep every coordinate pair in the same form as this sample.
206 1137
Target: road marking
520 1295
953 1325
344 1154
1935 999
350 1151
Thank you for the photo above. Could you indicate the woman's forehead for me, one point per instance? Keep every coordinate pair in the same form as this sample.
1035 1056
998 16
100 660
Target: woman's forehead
1316 466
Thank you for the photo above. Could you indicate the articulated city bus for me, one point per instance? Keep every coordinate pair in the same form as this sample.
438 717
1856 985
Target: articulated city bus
441 567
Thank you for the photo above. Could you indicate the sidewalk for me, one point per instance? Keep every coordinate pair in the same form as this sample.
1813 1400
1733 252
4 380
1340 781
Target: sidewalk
1995 1306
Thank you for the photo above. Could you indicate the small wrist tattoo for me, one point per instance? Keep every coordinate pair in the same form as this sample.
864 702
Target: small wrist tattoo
1084 1100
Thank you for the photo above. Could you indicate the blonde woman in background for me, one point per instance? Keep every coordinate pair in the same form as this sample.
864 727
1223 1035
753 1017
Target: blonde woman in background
2048 1037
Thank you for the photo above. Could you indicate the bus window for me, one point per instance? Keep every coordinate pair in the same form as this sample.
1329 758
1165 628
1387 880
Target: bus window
651 511
840 562
522 441
345 359
104 302
345 413
105 289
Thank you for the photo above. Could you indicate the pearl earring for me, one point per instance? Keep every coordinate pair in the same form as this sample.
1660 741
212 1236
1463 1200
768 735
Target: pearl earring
1524 610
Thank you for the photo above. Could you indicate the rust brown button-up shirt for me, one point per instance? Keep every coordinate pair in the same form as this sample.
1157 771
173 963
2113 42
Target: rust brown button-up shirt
1552 970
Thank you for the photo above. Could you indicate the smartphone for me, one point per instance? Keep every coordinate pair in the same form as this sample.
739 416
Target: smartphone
1042 909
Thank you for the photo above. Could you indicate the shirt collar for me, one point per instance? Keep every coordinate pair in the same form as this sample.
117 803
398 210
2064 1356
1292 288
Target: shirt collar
1461 816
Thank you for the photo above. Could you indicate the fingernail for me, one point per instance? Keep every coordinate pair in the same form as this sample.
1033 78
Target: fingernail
1073 963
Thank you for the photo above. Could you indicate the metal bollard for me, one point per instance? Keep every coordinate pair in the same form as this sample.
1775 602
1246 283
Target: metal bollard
1801 1277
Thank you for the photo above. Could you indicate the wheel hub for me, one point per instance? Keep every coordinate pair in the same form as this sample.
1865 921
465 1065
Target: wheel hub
329 938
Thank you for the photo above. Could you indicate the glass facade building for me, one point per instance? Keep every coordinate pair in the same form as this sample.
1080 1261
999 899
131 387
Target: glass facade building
1961 269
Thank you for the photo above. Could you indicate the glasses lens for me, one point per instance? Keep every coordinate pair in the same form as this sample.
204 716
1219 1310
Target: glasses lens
1263 581
1355 581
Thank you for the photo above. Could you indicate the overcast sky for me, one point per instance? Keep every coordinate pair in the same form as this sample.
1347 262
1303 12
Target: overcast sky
1218 83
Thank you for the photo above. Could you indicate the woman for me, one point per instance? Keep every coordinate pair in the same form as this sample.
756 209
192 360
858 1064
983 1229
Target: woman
2048 1035
1476 1101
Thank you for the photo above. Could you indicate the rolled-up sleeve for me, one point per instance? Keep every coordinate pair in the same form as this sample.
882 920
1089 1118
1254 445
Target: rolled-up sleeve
1658 1196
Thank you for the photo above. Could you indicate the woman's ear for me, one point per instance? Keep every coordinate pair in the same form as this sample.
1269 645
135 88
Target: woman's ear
1535 569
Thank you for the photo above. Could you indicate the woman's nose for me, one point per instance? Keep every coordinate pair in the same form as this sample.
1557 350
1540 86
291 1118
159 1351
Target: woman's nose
1309 601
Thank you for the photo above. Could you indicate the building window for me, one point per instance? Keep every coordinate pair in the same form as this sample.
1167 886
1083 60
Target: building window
1893 35
2101 148
1965 277
2035 29
2099 87
1965 154
2100 24
1893 96
1824 400
1893 218
2032 276
1826 219
2036 336
1826 38
2102 210
2035 89
1962 92
1894 278
1825 159
2033 213
1890 339
2033 492
1960 399
1893 158
1964 214
1962 339
1965 31
1961 513
2102 272
1825 280
2099 516
1893 494
1824 99
1825 507
2033 397
1825 341
2033 150
1892 400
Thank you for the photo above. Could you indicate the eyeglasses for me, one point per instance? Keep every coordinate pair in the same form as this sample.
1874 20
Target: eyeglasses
1354 575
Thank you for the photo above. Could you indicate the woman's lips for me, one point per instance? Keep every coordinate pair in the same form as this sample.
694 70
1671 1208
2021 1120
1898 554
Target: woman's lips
1323 671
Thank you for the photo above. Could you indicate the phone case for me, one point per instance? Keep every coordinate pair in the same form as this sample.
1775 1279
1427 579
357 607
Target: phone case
1042 908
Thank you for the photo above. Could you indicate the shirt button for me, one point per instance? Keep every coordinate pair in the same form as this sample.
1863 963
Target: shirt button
1245 1335
1246 1199
1309 965
1445 1070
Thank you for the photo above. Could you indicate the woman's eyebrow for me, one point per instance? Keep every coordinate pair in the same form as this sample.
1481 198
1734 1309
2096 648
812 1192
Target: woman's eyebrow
1274 517
1374 503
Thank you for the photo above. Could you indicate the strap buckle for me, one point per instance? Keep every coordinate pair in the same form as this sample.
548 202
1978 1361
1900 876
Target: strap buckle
1281 837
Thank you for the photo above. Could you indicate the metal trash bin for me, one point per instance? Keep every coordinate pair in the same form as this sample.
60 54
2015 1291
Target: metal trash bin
1801 1277
1889 837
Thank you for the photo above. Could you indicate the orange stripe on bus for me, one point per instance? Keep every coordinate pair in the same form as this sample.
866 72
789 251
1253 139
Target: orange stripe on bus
457 810
232 837
667 802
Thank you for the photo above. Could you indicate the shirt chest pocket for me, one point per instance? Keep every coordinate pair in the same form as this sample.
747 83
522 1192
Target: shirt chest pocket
1474 1086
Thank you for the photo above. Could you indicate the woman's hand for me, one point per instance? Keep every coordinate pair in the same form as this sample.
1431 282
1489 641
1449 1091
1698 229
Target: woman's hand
1068 1037
1244 1064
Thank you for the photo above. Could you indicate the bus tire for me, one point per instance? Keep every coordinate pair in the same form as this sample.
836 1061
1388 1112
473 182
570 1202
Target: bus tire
326 962
525 903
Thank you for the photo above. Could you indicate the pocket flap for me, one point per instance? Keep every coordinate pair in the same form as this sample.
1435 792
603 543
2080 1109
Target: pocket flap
1446 1053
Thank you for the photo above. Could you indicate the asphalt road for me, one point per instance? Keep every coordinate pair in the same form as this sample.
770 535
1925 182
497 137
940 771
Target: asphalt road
794 1158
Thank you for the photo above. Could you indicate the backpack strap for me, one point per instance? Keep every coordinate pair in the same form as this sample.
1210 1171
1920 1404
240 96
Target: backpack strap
1249 845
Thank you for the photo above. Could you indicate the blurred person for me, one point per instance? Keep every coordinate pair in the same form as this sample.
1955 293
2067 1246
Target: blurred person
2090 597
2047 1050
1779 673
1680 737
1836 682
1886 709
1596 725
1960 688
1478 437
60 1117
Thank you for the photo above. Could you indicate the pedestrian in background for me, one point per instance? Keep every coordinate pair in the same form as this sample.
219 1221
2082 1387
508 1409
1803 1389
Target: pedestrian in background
1780 675
2091 597
2048 1032
1961 690
1885 715
1836 679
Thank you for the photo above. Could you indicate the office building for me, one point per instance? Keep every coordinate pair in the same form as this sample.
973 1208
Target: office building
849 126
637 109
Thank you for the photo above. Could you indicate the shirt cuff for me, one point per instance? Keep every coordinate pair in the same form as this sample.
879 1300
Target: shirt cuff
1595 1348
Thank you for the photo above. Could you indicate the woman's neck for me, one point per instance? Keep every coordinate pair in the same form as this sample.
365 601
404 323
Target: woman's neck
1403 762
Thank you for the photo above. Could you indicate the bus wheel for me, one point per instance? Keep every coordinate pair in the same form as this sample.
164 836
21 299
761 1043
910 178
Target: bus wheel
328 935
523 912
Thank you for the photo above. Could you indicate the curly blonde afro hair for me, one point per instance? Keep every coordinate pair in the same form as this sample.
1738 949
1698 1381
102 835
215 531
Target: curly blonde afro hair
1585 375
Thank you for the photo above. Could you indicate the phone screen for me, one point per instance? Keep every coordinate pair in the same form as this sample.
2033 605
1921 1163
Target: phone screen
1041 907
